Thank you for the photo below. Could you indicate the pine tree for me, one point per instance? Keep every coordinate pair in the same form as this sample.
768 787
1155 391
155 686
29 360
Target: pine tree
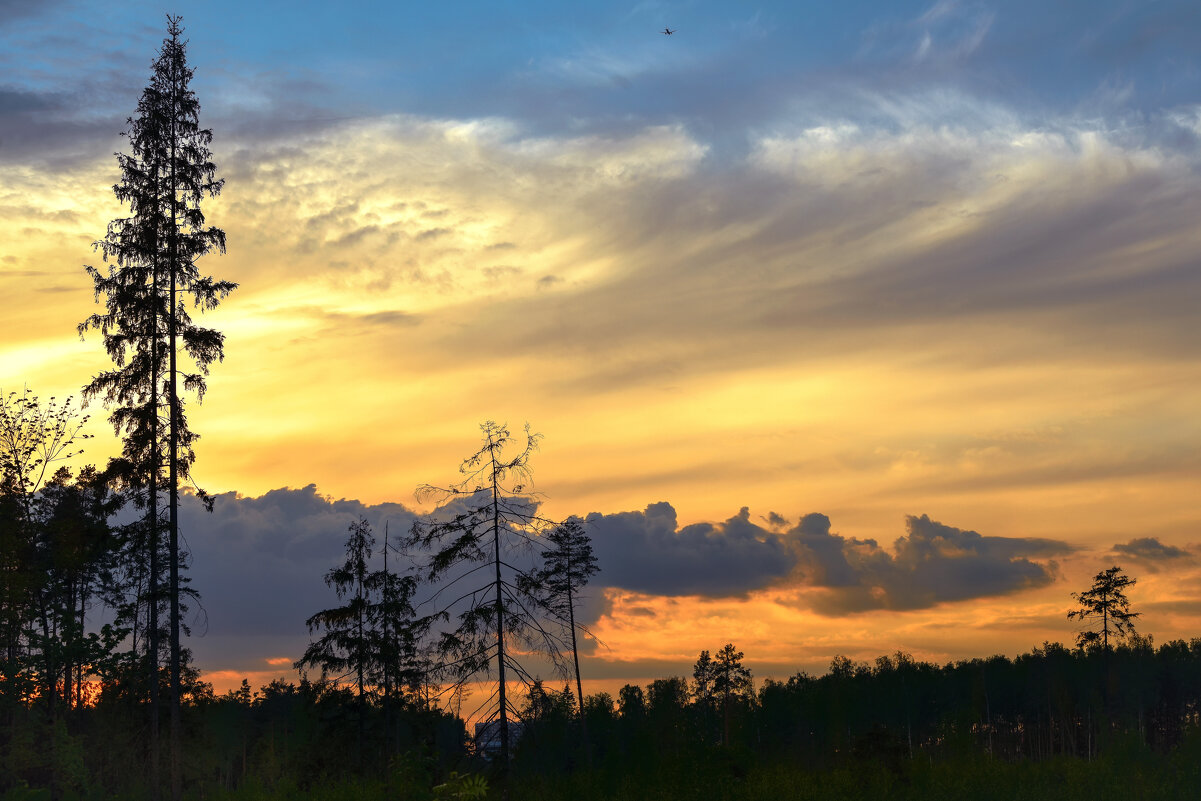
731 681
371 640
1106 603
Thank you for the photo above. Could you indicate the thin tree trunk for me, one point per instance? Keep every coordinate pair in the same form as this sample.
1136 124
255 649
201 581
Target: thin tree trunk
579 686
500 617
152 588
173 468
359 657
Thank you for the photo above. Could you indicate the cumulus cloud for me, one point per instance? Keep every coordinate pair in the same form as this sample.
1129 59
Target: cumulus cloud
649 552
932 564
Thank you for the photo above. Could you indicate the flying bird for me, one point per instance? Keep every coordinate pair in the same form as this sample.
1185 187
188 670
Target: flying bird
667 31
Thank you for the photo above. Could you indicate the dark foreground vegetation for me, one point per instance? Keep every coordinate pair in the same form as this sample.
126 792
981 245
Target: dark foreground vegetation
1054 722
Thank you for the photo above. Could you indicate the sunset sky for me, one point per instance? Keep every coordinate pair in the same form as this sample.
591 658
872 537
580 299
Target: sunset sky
850 327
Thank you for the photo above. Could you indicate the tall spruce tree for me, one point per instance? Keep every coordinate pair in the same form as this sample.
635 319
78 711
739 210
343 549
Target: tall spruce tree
152 272
488 517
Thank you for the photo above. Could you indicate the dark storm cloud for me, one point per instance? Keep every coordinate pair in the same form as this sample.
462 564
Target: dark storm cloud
648 552
932 564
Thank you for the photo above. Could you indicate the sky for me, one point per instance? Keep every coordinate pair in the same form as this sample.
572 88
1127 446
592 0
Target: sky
849 328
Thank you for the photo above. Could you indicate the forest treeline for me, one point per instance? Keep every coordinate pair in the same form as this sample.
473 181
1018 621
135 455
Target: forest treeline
891 721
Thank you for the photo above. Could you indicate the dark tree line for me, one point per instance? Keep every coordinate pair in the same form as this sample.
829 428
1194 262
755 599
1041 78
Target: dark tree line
1052 702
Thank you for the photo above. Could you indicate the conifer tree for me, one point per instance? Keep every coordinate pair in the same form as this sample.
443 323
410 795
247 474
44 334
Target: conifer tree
152 271
1106 603
371 640
345 647
488 518
567 564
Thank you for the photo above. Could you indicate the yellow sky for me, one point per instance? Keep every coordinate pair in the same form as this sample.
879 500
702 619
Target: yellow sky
989 327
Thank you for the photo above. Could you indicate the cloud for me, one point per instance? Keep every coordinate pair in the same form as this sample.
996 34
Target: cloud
649 552
932 564
1187 608
1152 554
947 32
258 565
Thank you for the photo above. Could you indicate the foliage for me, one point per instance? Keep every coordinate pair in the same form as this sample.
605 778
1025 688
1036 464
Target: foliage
372 639
151 258
462 787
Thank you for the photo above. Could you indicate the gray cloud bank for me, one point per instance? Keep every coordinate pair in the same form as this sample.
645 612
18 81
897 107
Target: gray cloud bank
258 564
933 563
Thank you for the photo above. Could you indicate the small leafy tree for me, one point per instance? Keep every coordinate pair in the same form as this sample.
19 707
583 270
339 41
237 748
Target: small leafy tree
1105 606
489 517
33 437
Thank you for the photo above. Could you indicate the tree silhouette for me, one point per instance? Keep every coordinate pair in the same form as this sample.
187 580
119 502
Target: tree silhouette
345 647
152 269
489 516
567 564
371 640
1105 604
731 682
34 435
722 678
397 668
